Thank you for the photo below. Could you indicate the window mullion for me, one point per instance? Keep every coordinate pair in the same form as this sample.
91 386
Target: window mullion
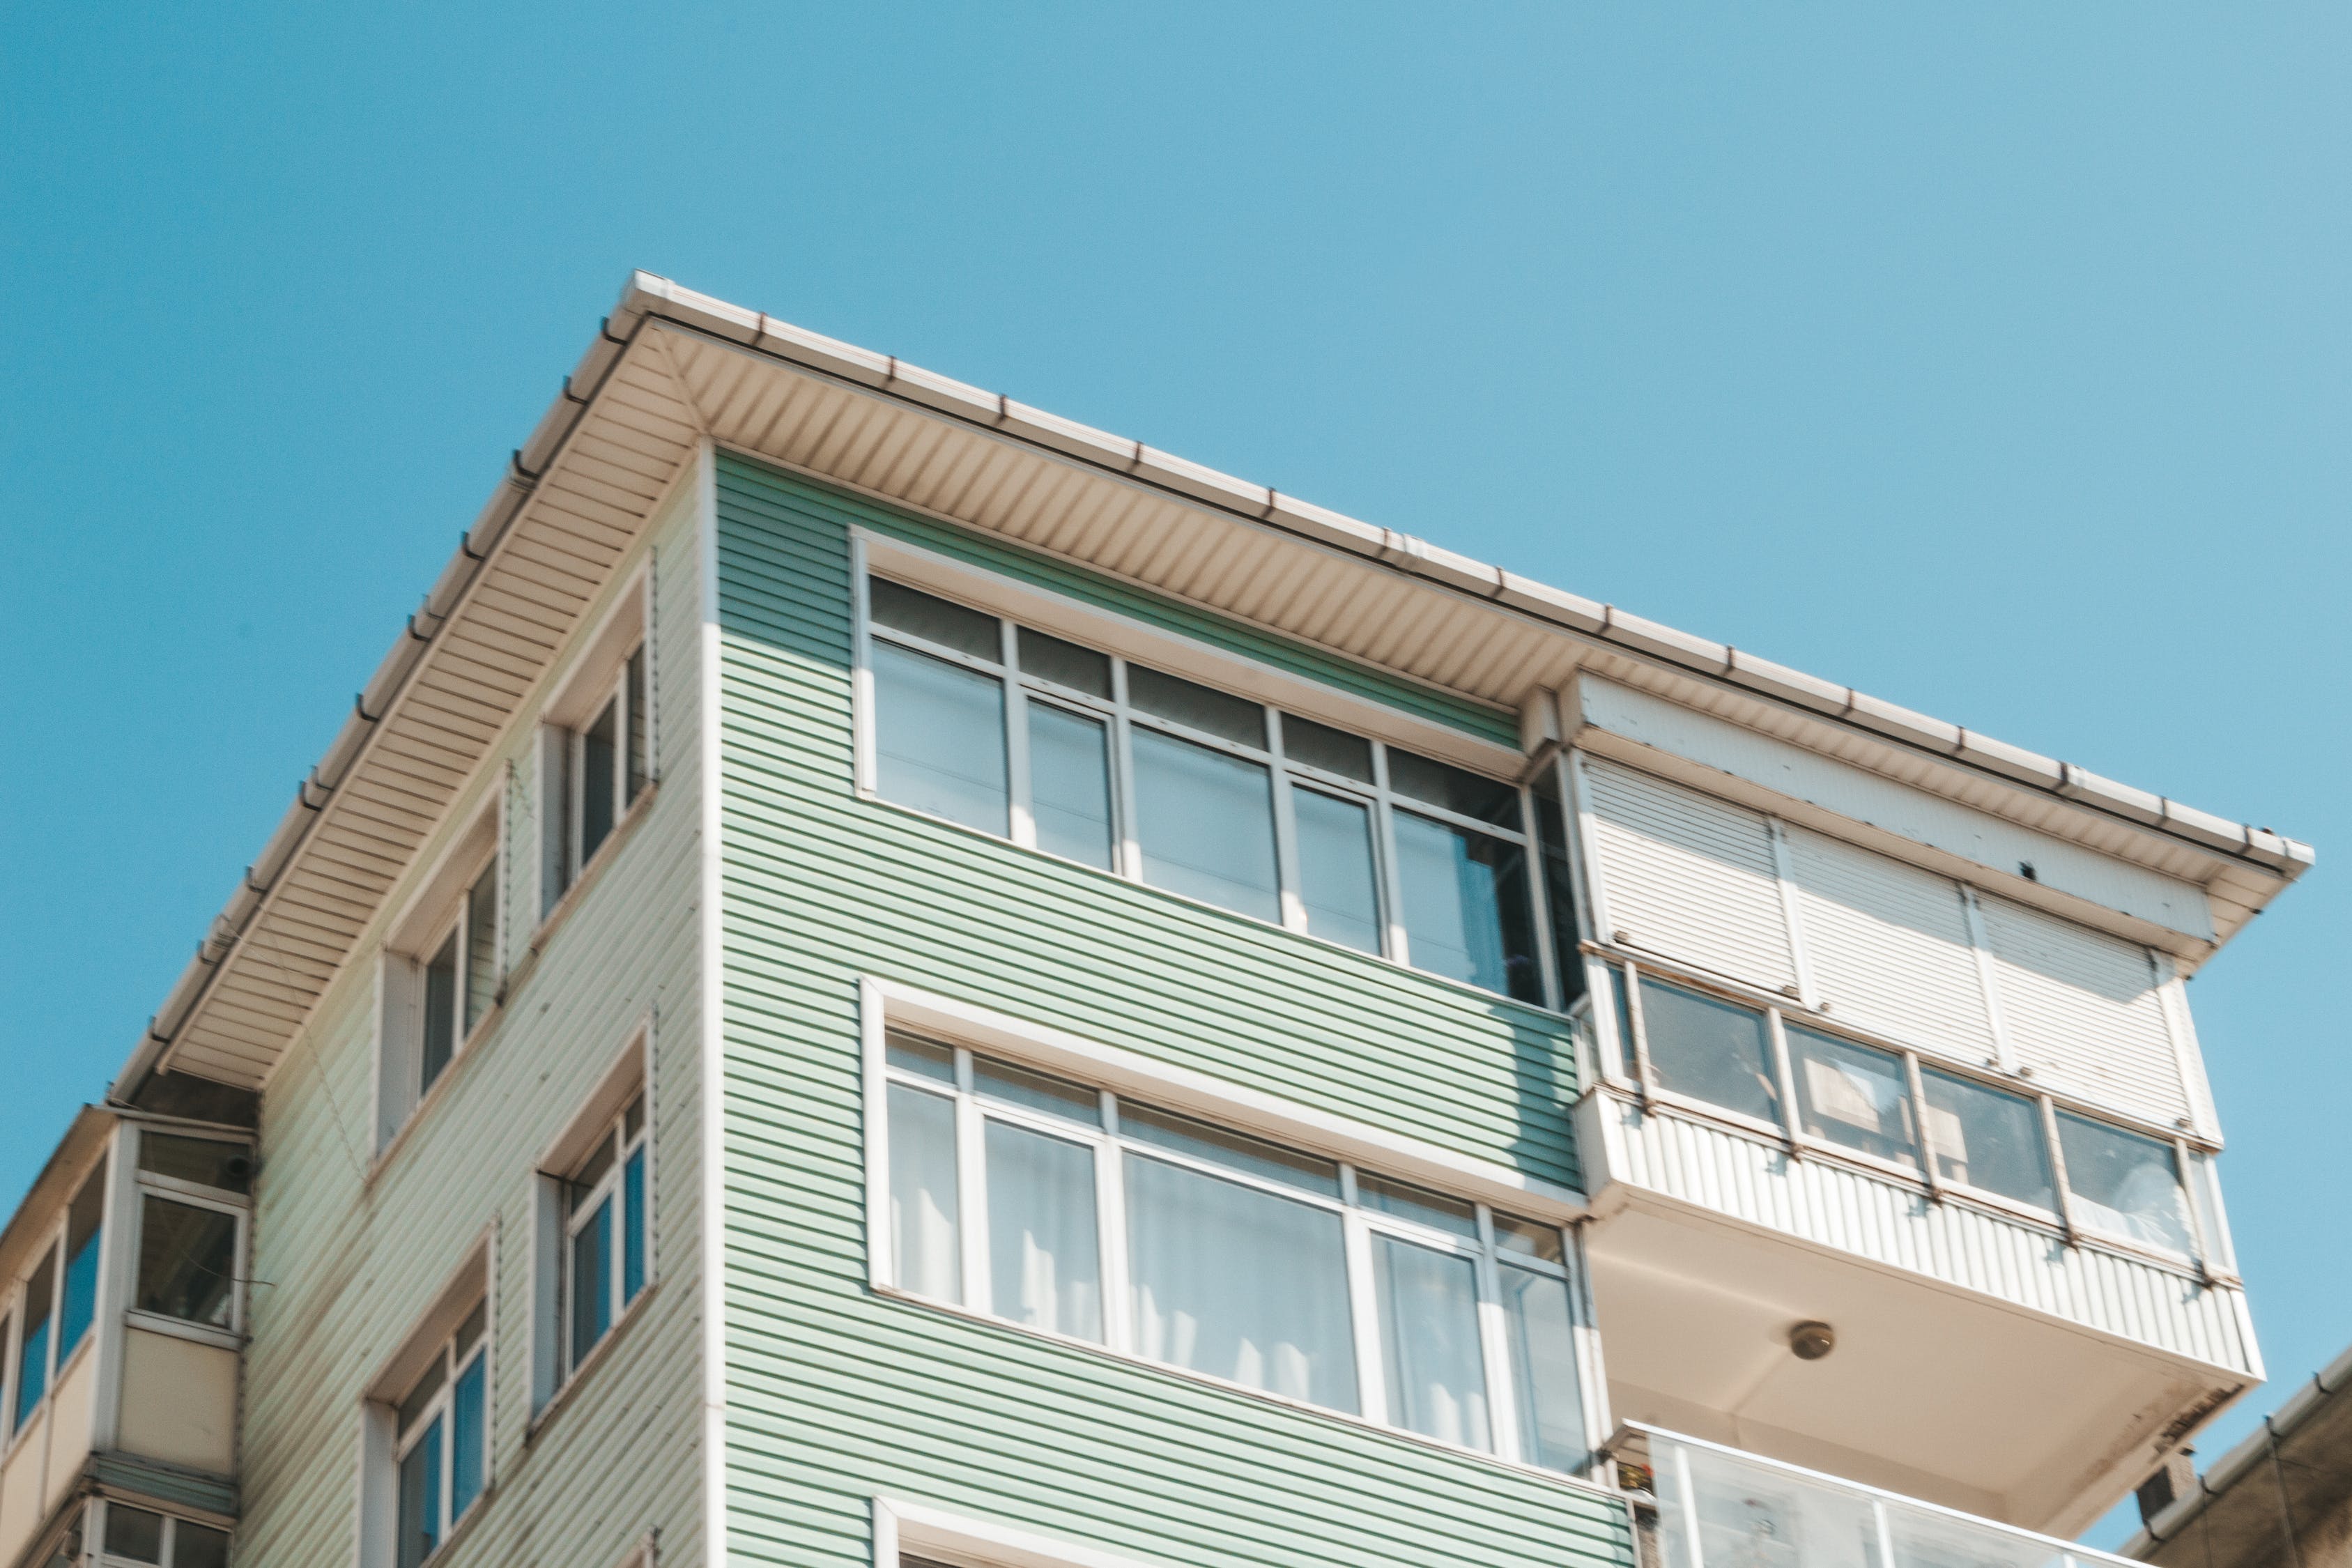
1291 898
1392 883
1122 767
1494 1344
971 1191
1110 1226
1531 856
1363 1307
1022 813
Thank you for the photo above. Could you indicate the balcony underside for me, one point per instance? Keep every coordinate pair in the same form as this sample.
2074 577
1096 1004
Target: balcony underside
1963 1371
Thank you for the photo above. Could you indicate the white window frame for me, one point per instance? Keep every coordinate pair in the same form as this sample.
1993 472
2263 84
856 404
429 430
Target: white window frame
970 1031
471 1283
144 1183
1626 1068
441 907
1123 642
905 1529
93 1528
611 1187
18 1298
555 1370
442 1406
600 674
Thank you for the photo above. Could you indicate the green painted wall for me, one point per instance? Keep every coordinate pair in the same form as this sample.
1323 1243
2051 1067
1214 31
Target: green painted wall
345 1262
836 1394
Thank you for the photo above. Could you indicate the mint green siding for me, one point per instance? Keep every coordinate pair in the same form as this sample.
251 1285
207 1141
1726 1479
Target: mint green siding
346 1258
835 1395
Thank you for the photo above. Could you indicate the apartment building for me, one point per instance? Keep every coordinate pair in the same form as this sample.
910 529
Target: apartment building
883 978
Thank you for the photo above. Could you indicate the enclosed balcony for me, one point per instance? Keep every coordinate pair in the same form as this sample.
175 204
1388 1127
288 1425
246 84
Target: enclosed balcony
121 1312
1702 1505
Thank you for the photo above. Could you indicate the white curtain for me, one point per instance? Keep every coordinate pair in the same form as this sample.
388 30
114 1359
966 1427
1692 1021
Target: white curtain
1239 1283
1041 1258
1543 1368
923 1193
1428 1342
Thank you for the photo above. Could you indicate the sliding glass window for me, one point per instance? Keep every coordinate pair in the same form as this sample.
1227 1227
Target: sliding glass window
1071 1210
1165 781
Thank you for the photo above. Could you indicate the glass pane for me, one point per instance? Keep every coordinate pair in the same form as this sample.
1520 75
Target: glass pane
1528 1239
1456 789
1251 1156
1042 1266
1851 1095
1195 706
1207 824
599 749
469 1331
1321 746
1923 1540
640 727
940 738
80 1304
632 1227
1335 869
133 1533
1543 1368
1239 1283
1710 1050
923 1193
1621 1003
33 1357
1069 784
1429 1342
199 1546
1757 1516
632 1119
187 1262
1558 883
934 619
592 1166
468 1435
924 1057
591 1281
419 1398
1065 664
206 1162
1465 905
1989 1139
1417 1203
440 1041
2123 1184
420 1499
481 945
1036 1090
2205 1191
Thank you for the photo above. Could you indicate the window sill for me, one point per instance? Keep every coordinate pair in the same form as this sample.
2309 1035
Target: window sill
603 1350
180 1328
1558 1019
1344 1418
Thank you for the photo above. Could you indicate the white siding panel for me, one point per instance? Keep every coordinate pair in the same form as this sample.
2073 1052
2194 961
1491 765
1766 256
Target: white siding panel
1889 948
1689 878
2082 1010
1832 1206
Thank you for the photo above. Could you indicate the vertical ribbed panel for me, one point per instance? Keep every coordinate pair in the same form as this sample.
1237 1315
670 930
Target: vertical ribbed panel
1835 1205
2082 1009
1889 948
1689 878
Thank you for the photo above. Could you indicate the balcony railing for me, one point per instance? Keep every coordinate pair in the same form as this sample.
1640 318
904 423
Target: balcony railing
1721 1508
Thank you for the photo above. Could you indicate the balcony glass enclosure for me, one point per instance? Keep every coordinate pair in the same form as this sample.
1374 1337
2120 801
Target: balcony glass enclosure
1719 1508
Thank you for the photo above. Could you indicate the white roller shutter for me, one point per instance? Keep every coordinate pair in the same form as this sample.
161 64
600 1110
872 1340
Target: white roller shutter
1689 877
1889 948
2082 1010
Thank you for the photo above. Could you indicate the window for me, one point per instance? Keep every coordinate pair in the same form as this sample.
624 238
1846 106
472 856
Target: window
442 1440
605 1232
1012 1191
1893 1107
441 970
60 1300
192 1210
1133 770
142 1536
598 769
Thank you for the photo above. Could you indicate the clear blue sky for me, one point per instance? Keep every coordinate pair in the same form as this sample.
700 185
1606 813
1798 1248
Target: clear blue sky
1997 359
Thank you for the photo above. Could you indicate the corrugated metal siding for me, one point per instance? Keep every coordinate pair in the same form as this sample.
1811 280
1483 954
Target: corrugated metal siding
1689 877
1834 1205
837 1395
343 1268
1887 947
2083 1010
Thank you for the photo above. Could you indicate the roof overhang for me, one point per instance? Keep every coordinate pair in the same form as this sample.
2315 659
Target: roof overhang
671 368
